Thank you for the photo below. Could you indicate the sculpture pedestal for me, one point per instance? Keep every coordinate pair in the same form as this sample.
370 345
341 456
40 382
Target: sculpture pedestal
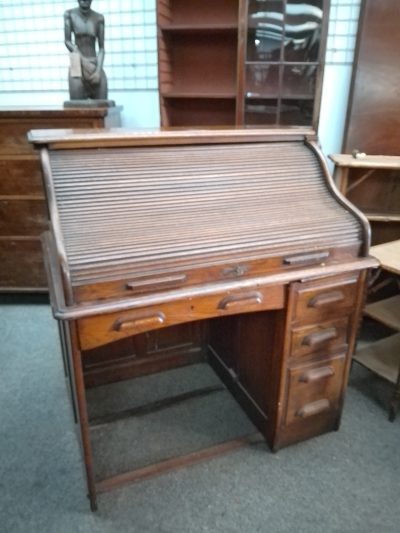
89 103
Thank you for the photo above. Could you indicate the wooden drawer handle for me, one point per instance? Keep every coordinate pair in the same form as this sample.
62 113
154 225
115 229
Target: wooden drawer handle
140 322
317 337
313 408
132 285
325 299
306 258
235 302
316 374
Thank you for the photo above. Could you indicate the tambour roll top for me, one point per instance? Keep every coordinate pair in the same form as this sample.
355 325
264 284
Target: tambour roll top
132 217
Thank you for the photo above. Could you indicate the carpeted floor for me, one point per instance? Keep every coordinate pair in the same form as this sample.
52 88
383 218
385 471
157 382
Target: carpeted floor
346 481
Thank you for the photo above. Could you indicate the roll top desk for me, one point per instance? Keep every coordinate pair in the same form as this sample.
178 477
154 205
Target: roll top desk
240 232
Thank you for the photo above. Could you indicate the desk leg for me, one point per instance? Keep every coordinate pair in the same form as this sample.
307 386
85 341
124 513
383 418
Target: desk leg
65 339
83 415
395 401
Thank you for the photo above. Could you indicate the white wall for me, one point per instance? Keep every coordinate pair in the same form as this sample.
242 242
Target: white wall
335 94
343 26
34 59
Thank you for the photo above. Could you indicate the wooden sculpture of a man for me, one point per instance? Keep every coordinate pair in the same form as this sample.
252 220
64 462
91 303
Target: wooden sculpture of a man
84 28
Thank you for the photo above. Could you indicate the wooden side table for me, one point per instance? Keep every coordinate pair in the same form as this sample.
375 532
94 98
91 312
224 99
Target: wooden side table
383 356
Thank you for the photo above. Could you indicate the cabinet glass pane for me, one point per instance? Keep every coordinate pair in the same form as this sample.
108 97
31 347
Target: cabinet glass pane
299 80
303 23
260 111
296 112
265 30
262 80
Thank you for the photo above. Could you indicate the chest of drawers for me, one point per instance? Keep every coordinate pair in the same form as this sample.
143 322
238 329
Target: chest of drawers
23 211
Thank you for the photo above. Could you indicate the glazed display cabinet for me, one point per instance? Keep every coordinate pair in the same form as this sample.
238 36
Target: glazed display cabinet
241 62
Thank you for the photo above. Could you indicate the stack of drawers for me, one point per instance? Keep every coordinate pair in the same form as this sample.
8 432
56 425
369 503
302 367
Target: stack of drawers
23 211
319 329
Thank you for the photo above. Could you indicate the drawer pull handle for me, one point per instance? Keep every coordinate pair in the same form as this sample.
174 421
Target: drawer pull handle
313 408
318 337
234 302
316 374
140 322
305 258
325 299
132 285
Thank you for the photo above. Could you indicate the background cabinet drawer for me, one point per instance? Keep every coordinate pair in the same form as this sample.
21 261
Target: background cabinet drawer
328 336
20 176
21 264
314 388
22 217
316 301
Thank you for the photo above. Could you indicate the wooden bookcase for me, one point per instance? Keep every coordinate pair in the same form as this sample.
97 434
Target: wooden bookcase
240 62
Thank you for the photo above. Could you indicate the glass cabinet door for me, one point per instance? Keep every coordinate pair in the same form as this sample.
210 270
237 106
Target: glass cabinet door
282 60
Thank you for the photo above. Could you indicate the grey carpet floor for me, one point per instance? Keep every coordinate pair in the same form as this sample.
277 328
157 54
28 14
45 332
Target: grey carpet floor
346 481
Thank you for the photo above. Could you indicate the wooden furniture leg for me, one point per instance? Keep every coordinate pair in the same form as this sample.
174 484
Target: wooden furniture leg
395 400
83 419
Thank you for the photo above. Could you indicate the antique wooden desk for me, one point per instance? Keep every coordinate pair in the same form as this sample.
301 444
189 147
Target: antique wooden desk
241 231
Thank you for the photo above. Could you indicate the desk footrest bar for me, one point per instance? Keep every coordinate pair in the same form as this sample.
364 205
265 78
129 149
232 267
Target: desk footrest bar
174 463
152 407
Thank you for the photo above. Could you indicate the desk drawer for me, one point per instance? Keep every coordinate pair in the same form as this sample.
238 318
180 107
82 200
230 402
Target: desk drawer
327 336
102 329
316 301
314 388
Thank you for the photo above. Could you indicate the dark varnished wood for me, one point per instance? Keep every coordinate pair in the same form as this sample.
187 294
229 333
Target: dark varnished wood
272 299
373 118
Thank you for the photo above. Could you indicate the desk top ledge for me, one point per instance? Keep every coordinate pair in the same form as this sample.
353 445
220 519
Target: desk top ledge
112 137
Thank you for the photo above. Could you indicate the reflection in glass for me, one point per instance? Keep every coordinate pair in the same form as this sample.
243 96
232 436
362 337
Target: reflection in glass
299 80
260 111
303 24
265 30
296 112
298 27
262 80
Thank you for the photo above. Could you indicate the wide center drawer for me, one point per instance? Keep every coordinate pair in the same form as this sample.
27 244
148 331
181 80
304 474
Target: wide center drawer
102 329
